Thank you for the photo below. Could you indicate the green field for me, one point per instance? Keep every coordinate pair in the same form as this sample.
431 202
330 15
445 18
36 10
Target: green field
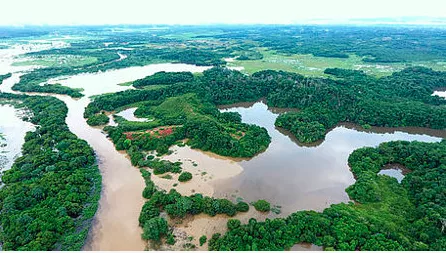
57 61
314 66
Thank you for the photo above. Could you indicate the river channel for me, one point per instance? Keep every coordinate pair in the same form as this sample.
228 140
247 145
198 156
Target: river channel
288 174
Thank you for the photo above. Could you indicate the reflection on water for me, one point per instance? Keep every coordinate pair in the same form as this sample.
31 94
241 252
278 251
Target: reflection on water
129 114
300 177
106 82
12 134
395 173
440 93
394 170
306 247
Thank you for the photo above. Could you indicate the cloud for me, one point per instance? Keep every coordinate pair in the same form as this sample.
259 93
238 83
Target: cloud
16 12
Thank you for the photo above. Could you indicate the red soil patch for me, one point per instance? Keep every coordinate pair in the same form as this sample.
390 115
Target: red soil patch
157 132
238 137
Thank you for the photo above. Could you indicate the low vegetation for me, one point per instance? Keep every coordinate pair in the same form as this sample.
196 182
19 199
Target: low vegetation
185 176
262 205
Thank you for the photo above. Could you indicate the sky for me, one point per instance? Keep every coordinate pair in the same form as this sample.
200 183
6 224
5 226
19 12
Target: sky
76 12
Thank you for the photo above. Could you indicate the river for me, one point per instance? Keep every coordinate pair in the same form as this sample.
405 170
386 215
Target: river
115 226
309 176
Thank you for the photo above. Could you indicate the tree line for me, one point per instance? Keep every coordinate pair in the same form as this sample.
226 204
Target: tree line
51 193
388 216
402 99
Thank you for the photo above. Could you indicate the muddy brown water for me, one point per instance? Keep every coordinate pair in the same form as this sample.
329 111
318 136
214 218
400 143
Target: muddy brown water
115 225
12 134
294 176
305 177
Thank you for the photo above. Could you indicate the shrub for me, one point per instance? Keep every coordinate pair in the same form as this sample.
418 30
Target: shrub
262 205
170 239
203 240
185 176
233 224
242 207
154 229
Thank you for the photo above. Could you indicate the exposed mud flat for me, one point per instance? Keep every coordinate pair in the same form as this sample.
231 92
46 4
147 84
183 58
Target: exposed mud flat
206 168
203 224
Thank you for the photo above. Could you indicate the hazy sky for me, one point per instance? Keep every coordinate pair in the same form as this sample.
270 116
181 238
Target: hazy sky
17 12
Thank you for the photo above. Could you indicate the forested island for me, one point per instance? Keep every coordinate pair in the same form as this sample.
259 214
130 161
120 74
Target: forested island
402 99
51 194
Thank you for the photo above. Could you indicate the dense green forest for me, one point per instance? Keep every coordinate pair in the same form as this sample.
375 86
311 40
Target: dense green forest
387 216
163 78
187 117
208 46
402 99
376 44
5 76
51 193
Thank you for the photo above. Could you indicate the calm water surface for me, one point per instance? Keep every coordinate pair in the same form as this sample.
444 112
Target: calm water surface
129 114
299 177
12 135
395 173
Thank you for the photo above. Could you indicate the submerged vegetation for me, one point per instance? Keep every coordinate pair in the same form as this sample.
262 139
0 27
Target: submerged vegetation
51 193
262 205
185 176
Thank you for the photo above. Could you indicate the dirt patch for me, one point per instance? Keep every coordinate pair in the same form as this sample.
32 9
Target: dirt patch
157 132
